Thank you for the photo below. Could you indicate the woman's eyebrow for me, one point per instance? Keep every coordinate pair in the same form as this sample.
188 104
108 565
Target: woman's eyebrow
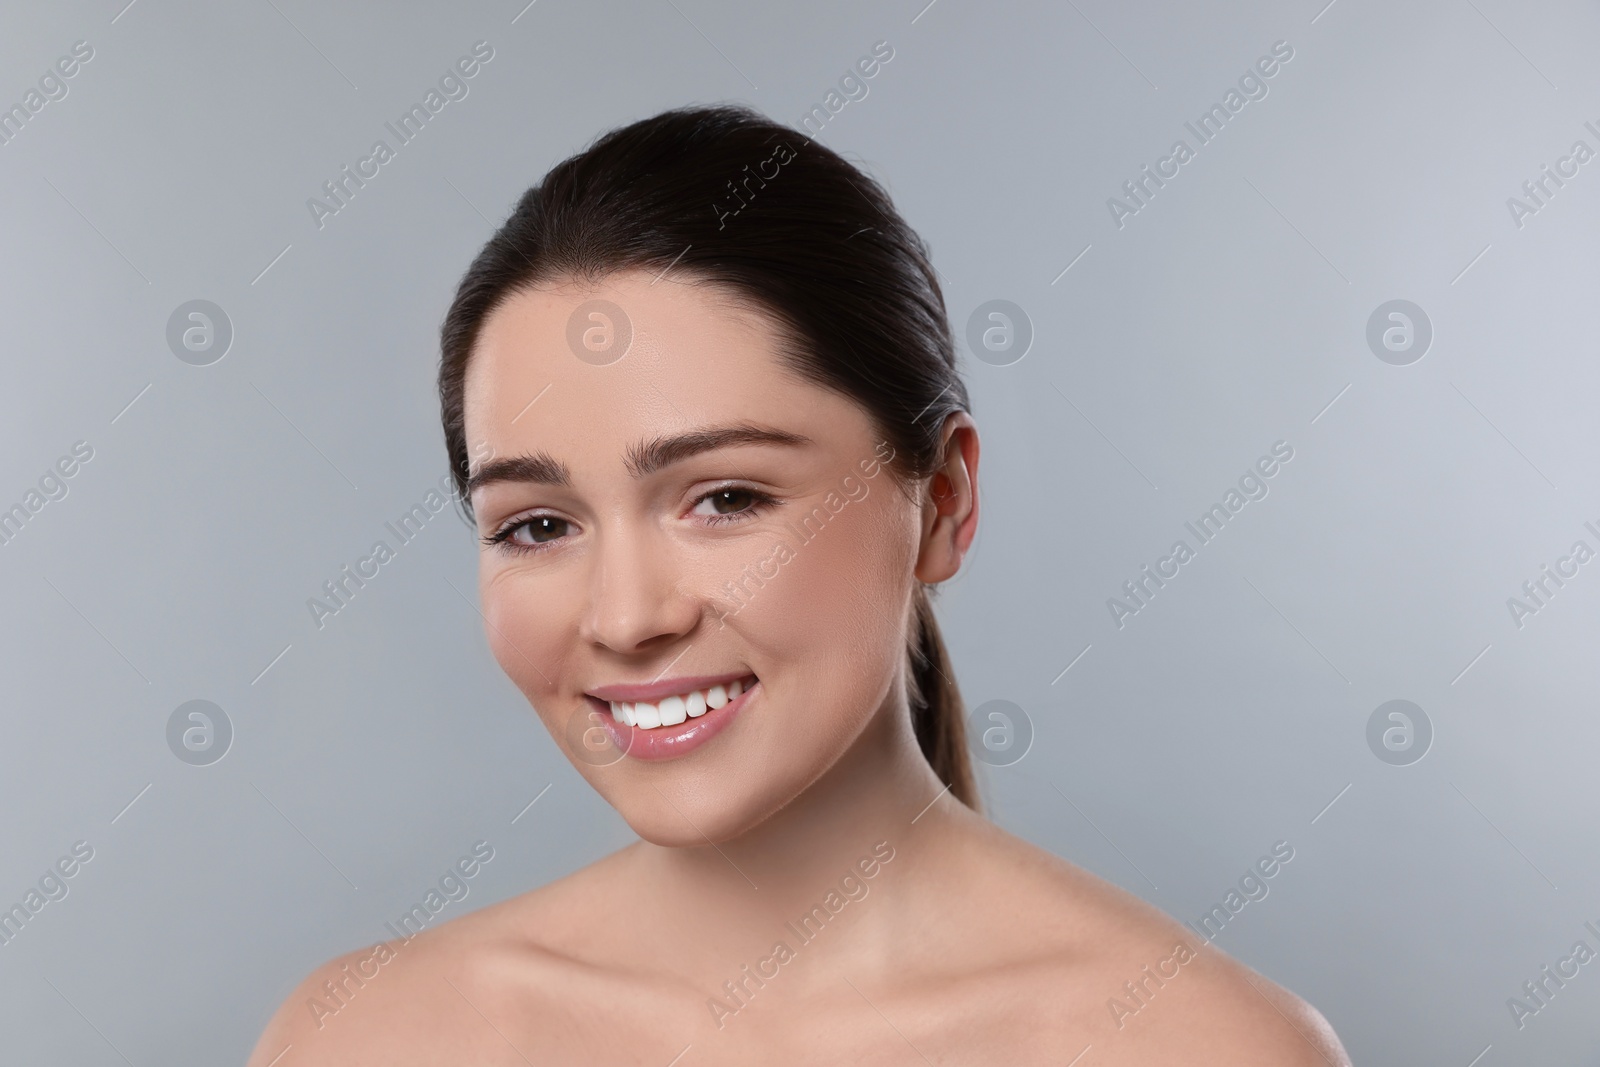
536 467
642 459
647 457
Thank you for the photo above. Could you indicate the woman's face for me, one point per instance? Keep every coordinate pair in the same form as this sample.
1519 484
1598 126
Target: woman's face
673 523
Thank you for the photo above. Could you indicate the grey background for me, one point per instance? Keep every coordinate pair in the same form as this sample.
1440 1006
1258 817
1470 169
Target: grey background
1230 313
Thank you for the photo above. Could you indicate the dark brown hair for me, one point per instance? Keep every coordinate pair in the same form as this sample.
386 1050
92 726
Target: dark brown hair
729 198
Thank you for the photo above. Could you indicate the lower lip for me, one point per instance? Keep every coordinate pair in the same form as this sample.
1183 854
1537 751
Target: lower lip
670 742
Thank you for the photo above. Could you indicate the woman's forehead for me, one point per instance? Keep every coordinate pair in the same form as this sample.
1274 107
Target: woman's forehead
683 357
625 328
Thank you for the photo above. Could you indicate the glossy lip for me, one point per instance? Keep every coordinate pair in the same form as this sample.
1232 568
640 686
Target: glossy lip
670 742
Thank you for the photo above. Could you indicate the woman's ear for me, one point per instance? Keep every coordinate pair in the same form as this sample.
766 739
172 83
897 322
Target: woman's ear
950 502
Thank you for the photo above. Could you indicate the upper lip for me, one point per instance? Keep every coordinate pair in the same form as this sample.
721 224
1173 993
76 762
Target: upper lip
651 692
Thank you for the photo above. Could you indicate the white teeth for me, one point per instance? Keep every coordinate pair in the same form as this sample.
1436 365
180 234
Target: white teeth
673 710
646 716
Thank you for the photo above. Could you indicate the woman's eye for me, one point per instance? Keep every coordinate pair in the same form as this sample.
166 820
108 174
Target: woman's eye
731 504
538 530
727 501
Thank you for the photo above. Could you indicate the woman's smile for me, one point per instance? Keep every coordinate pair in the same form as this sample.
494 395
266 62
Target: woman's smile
685 714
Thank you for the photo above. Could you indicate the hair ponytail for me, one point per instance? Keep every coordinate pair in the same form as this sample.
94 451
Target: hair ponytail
937 711
818 245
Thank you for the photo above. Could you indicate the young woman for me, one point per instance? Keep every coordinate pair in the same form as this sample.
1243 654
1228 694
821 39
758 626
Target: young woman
701 395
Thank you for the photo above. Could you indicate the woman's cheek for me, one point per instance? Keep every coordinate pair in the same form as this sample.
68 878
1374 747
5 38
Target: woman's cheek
517 630
841 596
862 559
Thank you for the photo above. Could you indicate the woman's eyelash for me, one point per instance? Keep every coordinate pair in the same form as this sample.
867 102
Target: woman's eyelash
502 536
759 502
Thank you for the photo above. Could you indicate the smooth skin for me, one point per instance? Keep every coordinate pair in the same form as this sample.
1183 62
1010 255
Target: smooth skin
968 946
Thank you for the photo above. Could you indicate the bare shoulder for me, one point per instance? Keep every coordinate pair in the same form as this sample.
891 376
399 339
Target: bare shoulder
467 990
1141 987
1215 1010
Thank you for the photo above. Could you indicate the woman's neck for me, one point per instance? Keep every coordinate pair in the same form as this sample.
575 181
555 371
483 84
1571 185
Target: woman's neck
881 799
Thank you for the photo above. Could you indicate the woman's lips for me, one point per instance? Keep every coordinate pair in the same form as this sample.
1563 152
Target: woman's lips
669 742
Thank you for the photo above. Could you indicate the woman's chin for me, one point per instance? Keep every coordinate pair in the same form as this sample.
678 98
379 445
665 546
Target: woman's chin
709 818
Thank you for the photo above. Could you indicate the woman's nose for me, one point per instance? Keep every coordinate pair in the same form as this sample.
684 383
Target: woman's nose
637 597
